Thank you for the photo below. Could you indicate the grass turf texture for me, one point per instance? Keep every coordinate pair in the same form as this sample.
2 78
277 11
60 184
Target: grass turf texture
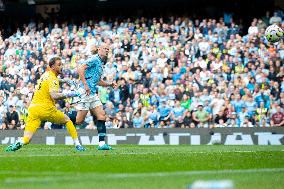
132 166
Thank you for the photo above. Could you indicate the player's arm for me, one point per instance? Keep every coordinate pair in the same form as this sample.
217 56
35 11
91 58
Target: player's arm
90 62
63 80
68 82
81 71
106 84
54 88
58 96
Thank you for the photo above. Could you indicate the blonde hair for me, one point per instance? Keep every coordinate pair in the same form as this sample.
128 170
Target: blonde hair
94 49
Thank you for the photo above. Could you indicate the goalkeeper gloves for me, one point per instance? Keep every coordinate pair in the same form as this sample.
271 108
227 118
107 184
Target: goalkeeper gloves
71 94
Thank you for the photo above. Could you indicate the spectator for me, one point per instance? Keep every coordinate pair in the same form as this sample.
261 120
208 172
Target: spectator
277 118
164 111
24 112
103 94
145 98
253 30
242 116
275 19
221 123
246 122
124 91
110 111
261 115
138 121
185 103
108 123
12 118
201 117
115 96
217 102
220 116
115 123
154 117
188 121
125 123
130 86
232 121
178 112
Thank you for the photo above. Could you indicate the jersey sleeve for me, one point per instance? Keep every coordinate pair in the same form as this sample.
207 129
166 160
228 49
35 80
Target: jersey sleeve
90 62
53 85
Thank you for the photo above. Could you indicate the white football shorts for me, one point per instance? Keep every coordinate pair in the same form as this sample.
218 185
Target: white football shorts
88 102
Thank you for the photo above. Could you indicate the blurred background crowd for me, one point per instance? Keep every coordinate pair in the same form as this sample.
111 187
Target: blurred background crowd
172 72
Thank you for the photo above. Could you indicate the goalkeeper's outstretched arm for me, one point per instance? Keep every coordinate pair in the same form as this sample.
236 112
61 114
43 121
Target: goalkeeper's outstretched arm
68 82
58 96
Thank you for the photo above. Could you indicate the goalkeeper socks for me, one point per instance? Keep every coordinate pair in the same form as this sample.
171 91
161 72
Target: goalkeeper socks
76 142
101 131
24 140
71 129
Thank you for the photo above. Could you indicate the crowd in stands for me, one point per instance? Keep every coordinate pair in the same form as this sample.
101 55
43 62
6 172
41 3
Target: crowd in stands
171 73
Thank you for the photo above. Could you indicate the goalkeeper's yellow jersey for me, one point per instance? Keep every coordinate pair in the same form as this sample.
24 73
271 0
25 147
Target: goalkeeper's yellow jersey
48 82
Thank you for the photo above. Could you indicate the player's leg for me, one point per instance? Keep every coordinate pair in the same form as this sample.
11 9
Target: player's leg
33 123
82 111
59 117
80 117
99 116
30 129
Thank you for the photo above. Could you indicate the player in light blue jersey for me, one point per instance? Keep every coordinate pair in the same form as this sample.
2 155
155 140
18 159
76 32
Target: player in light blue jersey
90 72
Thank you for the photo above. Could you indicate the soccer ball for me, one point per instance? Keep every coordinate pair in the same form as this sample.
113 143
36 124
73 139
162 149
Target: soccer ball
273 33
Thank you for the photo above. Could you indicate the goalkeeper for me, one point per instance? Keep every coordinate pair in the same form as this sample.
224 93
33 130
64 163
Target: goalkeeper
42 107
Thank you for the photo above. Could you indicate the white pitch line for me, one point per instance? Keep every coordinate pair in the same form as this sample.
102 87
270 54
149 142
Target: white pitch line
53 176
19 172
31 180
163 174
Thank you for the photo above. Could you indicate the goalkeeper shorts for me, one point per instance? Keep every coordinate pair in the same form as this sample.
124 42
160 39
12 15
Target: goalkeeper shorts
39 113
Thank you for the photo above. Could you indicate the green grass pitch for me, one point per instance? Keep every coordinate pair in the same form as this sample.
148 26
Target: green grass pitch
132 166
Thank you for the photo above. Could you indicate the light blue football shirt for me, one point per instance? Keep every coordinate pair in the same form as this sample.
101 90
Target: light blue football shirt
93 72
